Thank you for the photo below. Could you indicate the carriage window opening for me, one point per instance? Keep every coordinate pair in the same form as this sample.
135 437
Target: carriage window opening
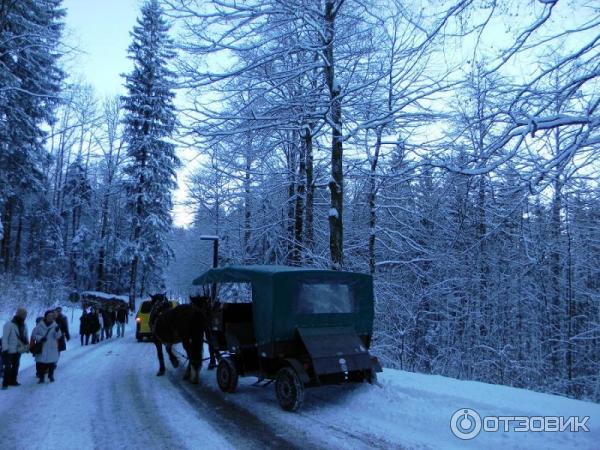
325 298
235 292
146 307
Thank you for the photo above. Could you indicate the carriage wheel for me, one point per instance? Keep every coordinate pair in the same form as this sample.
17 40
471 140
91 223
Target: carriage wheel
227 375
372 377
289 389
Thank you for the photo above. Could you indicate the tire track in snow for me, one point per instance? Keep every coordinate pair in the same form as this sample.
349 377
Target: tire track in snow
127 418
107 396
240 426
41 416
312 430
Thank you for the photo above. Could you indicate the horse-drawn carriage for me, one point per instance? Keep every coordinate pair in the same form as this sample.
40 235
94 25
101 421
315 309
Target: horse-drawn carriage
302 328
102 300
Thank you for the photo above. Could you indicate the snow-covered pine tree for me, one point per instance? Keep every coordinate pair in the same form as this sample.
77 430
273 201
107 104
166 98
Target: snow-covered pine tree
149 123
30 81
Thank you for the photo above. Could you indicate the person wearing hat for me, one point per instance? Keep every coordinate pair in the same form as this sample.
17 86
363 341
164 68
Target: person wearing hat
47 332
14 343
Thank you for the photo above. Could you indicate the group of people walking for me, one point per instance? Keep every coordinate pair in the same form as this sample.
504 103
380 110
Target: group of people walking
98 324
47 341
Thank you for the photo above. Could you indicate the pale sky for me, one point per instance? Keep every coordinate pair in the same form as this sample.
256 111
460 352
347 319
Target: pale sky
99 30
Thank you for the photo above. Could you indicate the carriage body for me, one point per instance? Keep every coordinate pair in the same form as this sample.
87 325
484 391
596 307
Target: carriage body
312 325
102 300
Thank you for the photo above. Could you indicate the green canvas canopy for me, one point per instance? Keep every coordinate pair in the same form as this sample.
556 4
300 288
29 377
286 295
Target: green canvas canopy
247 274
280 295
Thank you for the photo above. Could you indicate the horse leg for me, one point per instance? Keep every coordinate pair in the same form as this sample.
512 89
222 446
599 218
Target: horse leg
188 368
196 362
198 349
212 352
172 357
191 371
214 356
161 358
194 376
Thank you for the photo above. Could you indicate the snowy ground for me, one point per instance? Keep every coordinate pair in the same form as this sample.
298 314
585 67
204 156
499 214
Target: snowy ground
107 396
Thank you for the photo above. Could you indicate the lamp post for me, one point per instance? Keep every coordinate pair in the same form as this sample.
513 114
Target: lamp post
215 240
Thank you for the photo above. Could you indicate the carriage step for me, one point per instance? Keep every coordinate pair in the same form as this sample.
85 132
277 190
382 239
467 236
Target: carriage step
257 384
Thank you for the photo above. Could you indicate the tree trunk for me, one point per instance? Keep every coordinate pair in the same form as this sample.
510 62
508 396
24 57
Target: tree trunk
72 253
336 183
143 280
132 282
571 314
481 231
17 256
372 201
7 219
102 251
555 276
310 189
137 231
247 211
291 168
299 210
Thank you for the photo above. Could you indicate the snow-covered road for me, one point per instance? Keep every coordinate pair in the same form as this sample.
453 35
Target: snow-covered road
107 396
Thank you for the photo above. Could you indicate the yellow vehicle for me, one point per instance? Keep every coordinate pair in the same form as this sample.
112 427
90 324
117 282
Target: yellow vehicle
142 320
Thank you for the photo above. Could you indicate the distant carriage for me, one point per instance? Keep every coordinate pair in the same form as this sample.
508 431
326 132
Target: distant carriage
103 300
300 327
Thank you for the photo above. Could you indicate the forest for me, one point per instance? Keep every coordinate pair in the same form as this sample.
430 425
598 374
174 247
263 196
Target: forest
450 149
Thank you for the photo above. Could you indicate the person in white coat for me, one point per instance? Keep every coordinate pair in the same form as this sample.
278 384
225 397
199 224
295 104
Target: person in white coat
14 343
47 332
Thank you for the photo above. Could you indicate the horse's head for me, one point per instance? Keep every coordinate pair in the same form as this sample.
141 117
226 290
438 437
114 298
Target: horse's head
202 302
154 298
205 306
160 304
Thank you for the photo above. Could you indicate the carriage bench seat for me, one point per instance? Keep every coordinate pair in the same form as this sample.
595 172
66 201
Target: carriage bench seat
240 335
237 312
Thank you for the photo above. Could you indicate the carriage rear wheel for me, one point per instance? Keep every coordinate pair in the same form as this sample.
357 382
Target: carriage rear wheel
289 389
227 375
372 377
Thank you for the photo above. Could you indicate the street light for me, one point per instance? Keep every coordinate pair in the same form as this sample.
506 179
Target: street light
215 240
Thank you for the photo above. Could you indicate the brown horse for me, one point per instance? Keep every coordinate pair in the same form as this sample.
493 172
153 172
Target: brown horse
204 304
185 324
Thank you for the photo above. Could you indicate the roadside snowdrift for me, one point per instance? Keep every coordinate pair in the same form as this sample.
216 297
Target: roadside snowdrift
411 410
406 410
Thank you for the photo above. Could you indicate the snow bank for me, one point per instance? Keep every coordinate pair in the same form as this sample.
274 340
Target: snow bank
409 410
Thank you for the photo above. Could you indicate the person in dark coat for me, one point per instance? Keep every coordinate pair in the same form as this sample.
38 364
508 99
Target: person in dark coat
122 319
63 324
107 323
84 335
14 343
94 325
113 319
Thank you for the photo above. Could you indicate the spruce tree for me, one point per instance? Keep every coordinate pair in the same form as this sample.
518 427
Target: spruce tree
30 81
149 123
